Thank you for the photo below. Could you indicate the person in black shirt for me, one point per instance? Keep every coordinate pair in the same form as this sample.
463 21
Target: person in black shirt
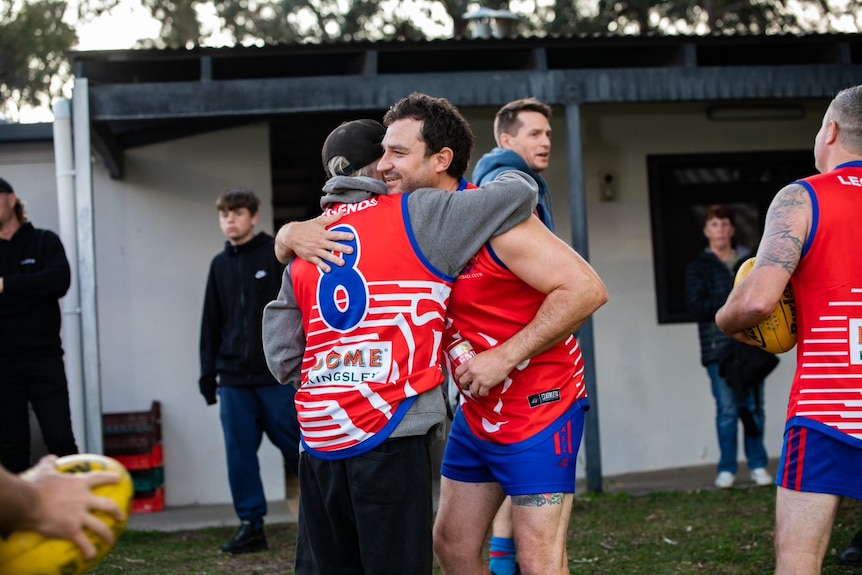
242 280
34 275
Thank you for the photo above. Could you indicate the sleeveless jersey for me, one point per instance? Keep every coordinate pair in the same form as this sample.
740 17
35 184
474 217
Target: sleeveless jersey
490 304
827 286
373 331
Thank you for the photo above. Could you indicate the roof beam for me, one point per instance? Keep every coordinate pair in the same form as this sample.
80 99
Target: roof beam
263 97
107 147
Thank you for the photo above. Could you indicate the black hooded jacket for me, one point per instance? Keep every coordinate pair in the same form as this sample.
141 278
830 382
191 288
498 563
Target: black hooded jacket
707 284
35 275
242 280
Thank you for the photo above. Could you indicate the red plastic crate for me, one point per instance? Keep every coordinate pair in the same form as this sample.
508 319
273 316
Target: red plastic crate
156 502
155 458
130 444
146 422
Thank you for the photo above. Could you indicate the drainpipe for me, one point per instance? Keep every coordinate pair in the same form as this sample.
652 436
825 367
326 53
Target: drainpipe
71 304
84 219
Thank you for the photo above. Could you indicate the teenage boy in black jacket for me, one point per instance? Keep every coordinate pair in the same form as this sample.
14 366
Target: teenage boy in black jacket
242 280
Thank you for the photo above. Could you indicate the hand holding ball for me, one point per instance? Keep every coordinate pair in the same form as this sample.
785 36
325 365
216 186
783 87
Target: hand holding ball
776 333
30 553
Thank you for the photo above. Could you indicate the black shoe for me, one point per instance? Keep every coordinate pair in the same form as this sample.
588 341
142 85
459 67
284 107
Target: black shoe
853 554
249 538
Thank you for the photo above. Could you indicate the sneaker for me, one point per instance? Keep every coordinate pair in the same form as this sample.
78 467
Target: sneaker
249 538
761 477
725 480
853 554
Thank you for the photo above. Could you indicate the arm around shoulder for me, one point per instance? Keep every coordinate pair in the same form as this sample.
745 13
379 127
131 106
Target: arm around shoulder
450 227
515 191
311 241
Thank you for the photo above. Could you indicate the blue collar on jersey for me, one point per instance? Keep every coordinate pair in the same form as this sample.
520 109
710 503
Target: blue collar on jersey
853 164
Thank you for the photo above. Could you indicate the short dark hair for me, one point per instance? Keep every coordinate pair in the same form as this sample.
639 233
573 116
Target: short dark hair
846 110
443 126
236 198
507 122
718 211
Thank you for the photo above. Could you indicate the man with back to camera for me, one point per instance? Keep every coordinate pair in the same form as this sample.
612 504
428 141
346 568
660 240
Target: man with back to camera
574 292
522 130
242 280
34 275
812 226
366 490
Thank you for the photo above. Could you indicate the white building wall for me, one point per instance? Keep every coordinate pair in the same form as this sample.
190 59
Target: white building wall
156 233
655 405
157 230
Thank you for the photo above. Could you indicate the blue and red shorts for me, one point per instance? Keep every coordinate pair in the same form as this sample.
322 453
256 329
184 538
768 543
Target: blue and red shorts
545 464
820 461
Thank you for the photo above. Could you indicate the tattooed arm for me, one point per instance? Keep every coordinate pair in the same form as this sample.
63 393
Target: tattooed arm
788 223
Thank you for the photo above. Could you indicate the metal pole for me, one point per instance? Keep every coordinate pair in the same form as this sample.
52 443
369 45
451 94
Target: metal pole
65 174
87 264
578 216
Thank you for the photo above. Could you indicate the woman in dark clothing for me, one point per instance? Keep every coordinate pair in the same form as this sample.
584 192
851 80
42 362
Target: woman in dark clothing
709 279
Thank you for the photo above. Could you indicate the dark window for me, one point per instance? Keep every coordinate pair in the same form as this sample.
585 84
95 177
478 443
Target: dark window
682 186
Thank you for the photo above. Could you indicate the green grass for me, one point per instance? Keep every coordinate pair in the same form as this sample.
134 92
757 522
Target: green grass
711 532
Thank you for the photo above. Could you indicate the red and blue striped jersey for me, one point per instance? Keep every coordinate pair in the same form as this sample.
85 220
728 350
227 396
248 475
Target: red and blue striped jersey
827 285
489 304
373 328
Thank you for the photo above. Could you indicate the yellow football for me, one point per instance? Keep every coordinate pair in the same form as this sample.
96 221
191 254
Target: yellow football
29 553
777 333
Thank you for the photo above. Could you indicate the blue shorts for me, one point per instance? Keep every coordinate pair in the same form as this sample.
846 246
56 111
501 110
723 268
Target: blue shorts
546 466
817 461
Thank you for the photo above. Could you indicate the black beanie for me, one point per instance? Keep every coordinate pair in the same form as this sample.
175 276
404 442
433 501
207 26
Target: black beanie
358 141
5 188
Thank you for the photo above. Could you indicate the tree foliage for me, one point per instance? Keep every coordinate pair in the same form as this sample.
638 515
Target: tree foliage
34 37
284 21
33 41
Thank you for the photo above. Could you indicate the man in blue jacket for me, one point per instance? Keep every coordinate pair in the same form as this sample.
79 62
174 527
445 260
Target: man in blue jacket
522 129
242 280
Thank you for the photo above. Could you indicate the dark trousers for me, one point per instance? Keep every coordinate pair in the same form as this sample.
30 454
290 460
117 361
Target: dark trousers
367 515
42 384
246 414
